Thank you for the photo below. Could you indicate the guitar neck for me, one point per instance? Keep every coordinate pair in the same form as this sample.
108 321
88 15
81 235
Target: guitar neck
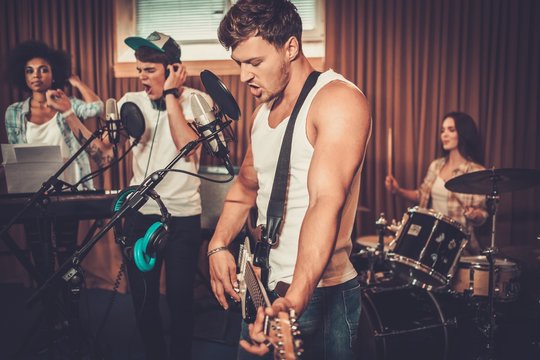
280 330
255 287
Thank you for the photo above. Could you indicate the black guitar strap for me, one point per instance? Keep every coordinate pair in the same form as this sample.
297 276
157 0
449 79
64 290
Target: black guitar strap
274 213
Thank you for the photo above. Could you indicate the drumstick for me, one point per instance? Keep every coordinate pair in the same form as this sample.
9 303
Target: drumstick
389 152
462 205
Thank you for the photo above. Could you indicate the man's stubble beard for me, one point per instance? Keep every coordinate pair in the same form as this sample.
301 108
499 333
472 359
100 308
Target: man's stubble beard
284 78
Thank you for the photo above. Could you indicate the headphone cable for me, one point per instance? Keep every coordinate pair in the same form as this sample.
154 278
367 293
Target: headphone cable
152 144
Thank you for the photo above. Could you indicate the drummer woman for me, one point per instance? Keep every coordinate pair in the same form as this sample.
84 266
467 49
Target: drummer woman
462 153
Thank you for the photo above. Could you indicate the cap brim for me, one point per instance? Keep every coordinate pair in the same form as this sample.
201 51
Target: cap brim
136 42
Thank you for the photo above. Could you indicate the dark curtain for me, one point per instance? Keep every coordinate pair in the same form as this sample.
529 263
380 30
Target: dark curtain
415 60
84 29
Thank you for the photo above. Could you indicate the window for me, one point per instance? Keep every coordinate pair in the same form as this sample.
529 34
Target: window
194 24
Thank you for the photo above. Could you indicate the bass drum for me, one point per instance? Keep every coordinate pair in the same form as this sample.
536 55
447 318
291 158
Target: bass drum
405 322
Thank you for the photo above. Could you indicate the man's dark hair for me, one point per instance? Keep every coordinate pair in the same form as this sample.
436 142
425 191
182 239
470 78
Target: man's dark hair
469 140
28 50
273 20
146 54
170 56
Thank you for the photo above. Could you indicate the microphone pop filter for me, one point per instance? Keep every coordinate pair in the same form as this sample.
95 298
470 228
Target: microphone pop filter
132 119
220 94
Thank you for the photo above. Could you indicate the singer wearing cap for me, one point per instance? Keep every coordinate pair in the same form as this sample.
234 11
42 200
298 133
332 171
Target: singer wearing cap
48 116
165 106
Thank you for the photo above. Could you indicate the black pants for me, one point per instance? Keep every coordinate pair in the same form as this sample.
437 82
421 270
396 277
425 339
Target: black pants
181 257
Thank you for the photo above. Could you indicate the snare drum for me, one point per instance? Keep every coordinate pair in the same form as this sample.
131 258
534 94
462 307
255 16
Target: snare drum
428 246
472 278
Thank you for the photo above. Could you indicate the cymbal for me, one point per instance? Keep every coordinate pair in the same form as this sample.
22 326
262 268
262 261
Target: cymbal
371 241
485 181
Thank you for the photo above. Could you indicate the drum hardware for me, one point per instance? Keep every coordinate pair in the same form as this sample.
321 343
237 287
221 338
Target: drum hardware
374 253
381 228
491 183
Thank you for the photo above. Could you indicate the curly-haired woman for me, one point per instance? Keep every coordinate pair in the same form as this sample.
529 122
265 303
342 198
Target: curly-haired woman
48 116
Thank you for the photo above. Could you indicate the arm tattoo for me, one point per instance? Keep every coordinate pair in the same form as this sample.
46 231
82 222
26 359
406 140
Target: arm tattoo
94 151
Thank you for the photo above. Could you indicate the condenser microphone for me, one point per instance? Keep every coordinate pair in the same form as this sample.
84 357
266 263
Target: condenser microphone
209 126
113 121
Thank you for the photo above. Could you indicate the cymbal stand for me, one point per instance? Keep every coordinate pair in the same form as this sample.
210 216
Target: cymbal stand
378 256
381 230
490 253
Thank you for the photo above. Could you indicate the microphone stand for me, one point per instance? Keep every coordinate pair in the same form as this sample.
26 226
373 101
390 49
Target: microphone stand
53 183
70 271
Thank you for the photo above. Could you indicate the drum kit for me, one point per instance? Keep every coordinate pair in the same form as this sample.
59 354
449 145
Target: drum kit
414 265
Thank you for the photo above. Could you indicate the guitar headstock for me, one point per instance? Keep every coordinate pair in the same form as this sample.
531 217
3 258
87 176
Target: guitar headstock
283 333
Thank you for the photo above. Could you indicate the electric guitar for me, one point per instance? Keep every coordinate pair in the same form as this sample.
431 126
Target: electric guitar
282 330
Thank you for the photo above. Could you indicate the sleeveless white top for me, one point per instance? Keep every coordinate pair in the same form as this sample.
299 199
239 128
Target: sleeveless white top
266 144
49 133
439 196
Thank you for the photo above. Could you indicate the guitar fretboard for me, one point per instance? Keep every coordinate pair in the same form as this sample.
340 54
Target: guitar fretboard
258 294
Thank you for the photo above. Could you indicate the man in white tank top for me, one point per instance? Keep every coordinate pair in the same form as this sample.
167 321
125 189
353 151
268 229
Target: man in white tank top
328 147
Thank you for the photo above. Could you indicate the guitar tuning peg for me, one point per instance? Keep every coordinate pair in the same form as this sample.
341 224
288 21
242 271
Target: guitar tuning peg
294 327
296 333
280 335
280 344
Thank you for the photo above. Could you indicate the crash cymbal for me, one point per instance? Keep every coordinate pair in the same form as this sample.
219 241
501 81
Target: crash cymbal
485 181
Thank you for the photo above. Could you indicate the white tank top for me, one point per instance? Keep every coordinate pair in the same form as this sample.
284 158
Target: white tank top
49 133
439 196
266 144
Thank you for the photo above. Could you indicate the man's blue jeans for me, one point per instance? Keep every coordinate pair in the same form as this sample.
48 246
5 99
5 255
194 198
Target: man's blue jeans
329 326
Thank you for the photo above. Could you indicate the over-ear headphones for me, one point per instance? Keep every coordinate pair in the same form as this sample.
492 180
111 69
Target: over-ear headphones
159 104
154 240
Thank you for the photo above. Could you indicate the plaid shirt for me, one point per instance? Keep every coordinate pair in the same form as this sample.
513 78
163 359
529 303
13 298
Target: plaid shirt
16 126
456 202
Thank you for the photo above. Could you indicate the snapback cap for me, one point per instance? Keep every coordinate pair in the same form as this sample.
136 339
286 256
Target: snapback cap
157 41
